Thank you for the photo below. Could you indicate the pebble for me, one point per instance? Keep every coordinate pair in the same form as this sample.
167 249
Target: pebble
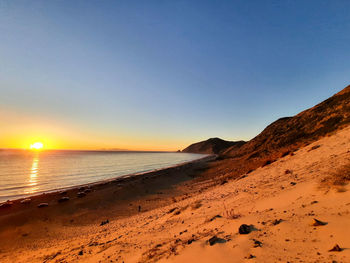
26 201
81 194
63 199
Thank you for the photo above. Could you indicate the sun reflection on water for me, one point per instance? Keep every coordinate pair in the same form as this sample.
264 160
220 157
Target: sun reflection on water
33 176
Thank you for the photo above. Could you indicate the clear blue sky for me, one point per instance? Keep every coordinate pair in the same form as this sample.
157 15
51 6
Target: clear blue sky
166 73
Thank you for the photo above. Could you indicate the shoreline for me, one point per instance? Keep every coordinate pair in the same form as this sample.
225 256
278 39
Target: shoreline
114 179
21 224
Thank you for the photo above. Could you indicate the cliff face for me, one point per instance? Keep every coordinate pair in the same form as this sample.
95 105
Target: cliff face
212 146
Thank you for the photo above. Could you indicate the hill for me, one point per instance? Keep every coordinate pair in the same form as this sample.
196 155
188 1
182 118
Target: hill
286 135
212 146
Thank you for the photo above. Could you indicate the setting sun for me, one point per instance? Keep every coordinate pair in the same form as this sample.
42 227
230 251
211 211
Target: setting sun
36 146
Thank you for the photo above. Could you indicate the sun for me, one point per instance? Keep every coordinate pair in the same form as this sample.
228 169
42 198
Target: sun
37 146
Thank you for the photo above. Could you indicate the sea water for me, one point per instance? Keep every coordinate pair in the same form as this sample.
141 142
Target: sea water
24 173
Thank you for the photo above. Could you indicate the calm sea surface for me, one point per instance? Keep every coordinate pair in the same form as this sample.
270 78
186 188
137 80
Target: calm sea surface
24 173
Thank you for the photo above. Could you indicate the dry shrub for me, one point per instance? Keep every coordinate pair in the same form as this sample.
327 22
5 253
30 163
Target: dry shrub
338 179
196 204
230 213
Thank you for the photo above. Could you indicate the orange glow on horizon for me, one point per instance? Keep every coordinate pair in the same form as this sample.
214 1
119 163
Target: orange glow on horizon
21 130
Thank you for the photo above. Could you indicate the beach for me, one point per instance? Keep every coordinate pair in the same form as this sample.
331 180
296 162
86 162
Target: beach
196 219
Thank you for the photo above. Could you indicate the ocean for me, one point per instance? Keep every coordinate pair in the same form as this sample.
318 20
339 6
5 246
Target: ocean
24 173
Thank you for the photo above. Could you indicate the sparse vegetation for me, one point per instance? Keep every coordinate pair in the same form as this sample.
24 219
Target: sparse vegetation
196 204
230 213
339 179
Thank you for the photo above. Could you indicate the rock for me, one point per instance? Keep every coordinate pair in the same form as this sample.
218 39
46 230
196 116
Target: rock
257 243
26 201
104 222
190 241
314 202
7 204
43 205
81 194
139 208
63 199
172 210
213 240
245 229
276 221
287 171
318 223
251 256
88 190
81 253
314 147
336 248
293 183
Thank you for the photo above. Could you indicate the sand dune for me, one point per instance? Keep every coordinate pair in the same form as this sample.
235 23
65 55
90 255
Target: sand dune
279 201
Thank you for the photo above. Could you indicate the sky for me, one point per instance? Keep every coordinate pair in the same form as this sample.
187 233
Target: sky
160 75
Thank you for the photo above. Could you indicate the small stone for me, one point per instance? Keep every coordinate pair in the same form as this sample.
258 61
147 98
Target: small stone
276 221
293 183
43 205
213 240
88 190
81 253
257 243
63 199
81 194
336 248
317 222
104 222
190 241
26 201
8 203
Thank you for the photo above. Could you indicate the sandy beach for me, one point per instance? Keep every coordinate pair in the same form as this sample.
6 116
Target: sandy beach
184 217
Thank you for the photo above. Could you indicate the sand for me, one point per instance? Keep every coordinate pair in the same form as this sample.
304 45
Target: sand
279 200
